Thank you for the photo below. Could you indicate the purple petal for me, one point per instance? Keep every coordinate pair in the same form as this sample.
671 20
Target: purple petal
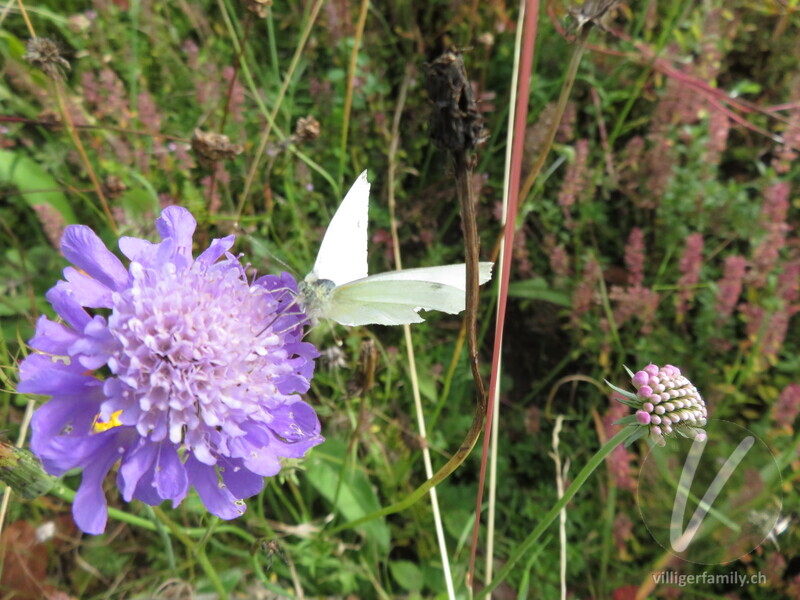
276 282
52 337
256 451
137 468
171 480
178 224
146 492
96 346
137 249
242 482
217 248
295 422
216 497
90 508
64 302
87 291
85 250
39 374
58 450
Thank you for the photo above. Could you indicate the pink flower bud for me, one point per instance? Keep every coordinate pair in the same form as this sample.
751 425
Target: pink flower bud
640 379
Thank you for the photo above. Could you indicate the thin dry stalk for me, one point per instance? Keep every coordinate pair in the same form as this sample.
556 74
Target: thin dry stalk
251 174
412 365
561 475
495 391
521 114
351 76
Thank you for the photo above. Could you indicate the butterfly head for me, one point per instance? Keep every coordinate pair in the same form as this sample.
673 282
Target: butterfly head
315 295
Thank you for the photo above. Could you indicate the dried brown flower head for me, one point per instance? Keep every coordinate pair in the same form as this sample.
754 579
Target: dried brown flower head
591 12
455 122
46 55
113 186
307 129
258 7
213 147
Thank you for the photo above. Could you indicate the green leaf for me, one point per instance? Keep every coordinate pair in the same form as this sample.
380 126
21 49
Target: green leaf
356 497
538 289
35 184
407 574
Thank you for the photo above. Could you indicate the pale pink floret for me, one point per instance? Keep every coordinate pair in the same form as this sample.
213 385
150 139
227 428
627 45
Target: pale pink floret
640 379
645 391
651 369
643 417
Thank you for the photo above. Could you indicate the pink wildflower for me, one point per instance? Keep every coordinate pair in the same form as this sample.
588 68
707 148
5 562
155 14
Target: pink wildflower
730 286
634 257
619 461
689 266
787 407
718 128
575 177
586 292
52 223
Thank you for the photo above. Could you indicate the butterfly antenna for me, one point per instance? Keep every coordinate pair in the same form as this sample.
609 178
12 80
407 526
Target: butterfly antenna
278 260
283 313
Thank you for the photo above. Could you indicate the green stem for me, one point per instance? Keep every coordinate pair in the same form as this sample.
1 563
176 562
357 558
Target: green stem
196 549
548 519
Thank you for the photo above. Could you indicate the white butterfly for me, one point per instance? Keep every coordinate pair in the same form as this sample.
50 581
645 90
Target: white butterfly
339 288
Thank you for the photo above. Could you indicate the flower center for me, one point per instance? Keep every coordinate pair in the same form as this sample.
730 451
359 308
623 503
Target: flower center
193 356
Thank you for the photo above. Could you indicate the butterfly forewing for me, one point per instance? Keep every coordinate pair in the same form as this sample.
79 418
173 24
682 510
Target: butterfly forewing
342 255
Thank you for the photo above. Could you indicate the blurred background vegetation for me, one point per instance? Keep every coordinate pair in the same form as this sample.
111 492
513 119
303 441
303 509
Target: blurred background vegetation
663 228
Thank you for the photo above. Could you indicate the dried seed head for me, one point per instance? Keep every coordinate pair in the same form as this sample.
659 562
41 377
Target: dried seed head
258 7
49 119
113 186
46 55
213 147
591 12
307 129
455 122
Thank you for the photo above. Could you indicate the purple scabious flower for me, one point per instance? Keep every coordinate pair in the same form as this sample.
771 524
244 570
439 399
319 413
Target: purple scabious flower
199 377
666 402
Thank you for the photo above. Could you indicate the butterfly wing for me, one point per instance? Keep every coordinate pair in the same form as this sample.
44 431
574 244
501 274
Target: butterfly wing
396 297
451 275
342 255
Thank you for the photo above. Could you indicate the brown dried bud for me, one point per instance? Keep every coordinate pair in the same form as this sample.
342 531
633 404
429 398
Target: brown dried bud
49 119
46 55
258 7
307 129
113 186
213 147
455 122
591 12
